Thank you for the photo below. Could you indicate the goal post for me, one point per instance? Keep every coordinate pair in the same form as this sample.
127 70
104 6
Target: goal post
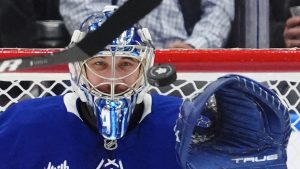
279 69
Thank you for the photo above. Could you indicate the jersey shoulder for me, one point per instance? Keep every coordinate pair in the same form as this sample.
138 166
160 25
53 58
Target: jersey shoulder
33 111
43 104
165 103
164 109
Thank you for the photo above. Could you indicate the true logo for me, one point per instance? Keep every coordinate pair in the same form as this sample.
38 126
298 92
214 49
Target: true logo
256 159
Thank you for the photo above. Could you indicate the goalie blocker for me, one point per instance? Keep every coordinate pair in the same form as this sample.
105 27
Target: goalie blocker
235 123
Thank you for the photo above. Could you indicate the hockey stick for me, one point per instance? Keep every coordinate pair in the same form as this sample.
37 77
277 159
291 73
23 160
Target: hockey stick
127 15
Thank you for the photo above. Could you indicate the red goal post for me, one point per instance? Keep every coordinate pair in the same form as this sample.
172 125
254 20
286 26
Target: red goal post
279 69
208 60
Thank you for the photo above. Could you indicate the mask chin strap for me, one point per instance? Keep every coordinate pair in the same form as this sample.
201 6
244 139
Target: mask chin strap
141 95
80 93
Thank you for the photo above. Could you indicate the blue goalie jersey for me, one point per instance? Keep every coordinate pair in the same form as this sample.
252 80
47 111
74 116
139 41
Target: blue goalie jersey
48 133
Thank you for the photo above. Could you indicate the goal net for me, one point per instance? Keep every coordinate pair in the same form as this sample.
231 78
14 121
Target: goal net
279 69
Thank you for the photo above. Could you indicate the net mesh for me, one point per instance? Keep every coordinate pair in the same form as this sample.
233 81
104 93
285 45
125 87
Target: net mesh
15 87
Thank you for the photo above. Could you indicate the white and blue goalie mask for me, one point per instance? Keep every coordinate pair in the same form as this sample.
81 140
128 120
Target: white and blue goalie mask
114 80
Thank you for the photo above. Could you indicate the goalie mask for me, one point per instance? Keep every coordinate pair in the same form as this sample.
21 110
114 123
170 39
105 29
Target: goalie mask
114 80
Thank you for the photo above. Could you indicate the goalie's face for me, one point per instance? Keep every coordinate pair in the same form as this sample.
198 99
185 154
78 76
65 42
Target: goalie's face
112 76
112 83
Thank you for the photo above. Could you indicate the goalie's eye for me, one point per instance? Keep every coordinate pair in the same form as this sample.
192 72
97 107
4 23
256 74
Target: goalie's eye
128 64
97 64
